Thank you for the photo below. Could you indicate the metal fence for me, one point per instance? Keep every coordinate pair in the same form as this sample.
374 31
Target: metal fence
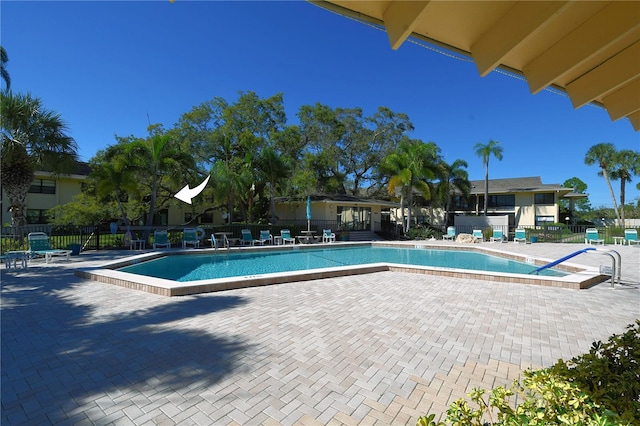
555 233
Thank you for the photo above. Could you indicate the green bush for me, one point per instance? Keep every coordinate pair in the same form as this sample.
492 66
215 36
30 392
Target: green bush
420 232
601 387
610 373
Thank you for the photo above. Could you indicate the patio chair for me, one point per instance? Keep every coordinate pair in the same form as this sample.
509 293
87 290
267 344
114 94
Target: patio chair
592 237
328 236
247 238
190 237
161 239
631 236
39 246
451 234
498 235
521 236
477 235
285 236
265 238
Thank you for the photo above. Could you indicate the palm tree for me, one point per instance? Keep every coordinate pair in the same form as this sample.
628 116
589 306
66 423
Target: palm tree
410 167
455 179
31 137
3 68
604 154
485 151
626 164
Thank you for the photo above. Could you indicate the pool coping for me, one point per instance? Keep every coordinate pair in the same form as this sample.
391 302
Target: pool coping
579 277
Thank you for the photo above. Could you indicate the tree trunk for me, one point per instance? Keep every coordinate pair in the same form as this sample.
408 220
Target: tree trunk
486 187
613 196
622 188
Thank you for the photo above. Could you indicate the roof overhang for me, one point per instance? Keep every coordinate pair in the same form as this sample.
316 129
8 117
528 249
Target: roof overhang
588 49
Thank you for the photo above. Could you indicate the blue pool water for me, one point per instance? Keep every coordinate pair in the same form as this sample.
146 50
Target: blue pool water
223 265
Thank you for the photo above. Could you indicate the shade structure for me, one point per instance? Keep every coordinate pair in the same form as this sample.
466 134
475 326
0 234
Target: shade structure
308 213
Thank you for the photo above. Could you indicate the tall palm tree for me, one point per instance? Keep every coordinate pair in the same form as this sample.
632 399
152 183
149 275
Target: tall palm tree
4 58
31 138
455 179
626 164
410 168
604 154
274 170
485 151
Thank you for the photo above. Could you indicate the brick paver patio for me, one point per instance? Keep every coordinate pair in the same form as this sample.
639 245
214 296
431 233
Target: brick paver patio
381 348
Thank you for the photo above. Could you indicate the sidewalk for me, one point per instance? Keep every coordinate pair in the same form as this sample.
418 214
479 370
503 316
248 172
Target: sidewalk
379 348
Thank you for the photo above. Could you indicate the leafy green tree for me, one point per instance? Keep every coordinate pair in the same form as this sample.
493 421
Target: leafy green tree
273 170
411 167
626 164
580 205
604 155
4 58
31 137
485 151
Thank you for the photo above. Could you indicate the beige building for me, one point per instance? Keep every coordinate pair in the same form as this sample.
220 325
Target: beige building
527 201
337 211
47 191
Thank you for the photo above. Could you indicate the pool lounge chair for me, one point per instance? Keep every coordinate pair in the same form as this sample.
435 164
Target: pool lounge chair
328 236
451 234
265 238
161 239
592 237
39 246
190 237
631 236
521 236
497 236
285 237
477 236
247 238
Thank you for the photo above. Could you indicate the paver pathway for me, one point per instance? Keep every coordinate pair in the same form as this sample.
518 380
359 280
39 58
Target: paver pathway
381 348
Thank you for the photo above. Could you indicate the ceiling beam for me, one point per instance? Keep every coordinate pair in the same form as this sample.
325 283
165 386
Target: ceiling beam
611 23
400 19
607 77
623 101
635 120
518 24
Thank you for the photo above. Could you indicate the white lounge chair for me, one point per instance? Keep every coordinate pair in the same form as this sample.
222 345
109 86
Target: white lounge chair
497 235
247 238
520 236
328 236
161 239
39 246
592 237
265 238
631 236
190 238
451 234
285 236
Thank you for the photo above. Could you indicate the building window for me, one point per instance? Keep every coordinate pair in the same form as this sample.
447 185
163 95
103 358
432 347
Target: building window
161 217
460 203
36 216
547 198
500 201
544 220
43 186
355 218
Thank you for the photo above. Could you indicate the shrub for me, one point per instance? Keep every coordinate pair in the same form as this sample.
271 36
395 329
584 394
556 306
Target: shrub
610 373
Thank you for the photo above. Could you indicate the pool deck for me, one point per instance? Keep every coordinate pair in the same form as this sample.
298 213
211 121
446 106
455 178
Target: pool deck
378 348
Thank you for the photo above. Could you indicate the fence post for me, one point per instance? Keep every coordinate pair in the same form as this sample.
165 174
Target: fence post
98 237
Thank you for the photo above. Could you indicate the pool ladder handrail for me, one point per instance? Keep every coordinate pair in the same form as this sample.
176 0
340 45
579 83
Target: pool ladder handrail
616 267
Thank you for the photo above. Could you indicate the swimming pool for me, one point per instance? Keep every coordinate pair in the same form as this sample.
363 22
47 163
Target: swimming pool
127 272
209 266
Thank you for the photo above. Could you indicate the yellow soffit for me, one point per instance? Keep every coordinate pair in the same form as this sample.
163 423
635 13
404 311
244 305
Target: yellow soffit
588 49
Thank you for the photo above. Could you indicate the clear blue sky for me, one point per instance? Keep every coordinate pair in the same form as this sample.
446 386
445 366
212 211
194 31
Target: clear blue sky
105 65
